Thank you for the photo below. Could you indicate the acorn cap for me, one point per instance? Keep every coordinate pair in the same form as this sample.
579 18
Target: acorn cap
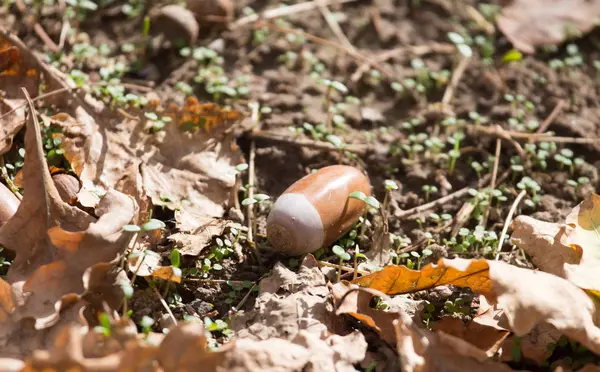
175 22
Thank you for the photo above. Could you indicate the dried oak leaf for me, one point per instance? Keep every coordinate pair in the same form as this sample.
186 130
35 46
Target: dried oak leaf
527 297
193 244
61 242
570 250
295 308
532 23
147 264
422 351
191 172
356 304
19 68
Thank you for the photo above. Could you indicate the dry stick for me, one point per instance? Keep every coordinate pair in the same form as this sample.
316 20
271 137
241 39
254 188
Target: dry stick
285 11
251 175
456 76
164 304
334 25
340 267
532 137
319 40
550 119
416 50
493 182
244 299
443 200
511 212
356 149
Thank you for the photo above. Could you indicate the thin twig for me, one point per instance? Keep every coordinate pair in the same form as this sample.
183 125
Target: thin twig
511 212
531 137
456 76
413 50
244 299
493 182
319 40
251 180
550 119
334 25
285 11
302 142
165 305
342 268
443 200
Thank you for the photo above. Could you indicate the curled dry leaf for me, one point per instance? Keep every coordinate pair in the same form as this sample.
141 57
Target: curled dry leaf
356 304
423 351
193 244
176 23
61 244
147 264
527 297
191 172
570 250
532 23
295 308
18 69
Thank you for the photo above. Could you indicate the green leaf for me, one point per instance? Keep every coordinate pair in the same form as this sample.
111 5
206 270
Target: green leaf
358 195
249 201
390 185
456 38
153 224
241 167
146 322
371 201
175 258
131 228
261 197
339 87
335 140
512 55
345 257
338 251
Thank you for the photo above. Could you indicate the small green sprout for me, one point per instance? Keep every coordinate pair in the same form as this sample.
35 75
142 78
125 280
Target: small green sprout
146 323
342 255
461 44
428 190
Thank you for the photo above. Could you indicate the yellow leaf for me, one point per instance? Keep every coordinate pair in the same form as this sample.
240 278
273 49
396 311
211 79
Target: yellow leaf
400 279
170 273
585 236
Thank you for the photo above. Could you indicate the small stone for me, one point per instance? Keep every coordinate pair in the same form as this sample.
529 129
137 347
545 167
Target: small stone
176 23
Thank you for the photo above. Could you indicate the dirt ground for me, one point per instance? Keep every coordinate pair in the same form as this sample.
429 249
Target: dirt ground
404 134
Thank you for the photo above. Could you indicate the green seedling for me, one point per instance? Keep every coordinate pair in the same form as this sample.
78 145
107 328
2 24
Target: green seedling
370 201
531 187
157 124
461 44
428 190
454 154
256 199
343 256
146 323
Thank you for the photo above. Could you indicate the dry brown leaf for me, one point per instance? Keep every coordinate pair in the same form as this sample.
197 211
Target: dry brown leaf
356 304
485 338
190 172
527 297
400 279
193 244
545 243
423 351
59 236
532 23
296 308
147 264
570 250
185 349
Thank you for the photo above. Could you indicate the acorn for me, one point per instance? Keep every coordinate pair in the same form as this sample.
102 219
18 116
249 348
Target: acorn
211 8
9 204
67 186
316 210
176 23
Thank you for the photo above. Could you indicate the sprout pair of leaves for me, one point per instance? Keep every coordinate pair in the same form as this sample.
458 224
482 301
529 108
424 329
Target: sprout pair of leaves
258 198
332 84
157 123
368 200
461 44
151 225
341 253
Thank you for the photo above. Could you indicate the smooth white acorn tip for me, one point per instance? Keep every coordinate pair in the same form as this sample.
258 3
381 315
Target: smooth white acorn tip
294 225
